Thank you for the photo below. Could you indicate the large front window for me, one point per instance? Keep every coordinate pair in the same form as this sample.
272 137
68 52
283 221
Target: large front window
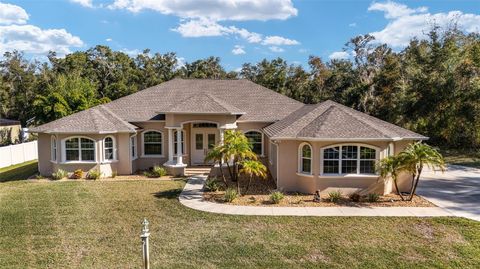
256 140
349 159
152 143
79 149
305 162
109 148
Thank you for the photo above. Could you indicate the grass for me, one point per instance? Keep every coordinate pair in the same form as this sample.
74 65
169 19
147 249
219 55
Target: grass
97 225
18 171
470 158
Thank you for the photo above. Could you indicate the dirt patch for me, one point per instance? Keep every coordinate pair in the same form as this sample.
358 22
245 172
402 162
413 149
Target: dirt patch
425 229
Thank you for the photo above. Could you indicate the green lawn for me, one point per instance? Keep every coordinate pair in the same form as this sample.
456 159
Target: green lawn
469 158
92 224
18 171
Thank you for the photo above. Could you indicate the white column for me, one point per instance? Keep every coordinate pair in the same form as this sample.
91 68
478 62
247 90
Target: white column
222 135
179 147
170 145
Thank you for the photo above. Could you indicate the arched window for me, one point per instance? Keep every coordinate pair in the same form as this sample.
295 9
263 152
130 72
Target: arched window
175 142
152 143
349 159
53 147
80 149
305 160
256 140
109 148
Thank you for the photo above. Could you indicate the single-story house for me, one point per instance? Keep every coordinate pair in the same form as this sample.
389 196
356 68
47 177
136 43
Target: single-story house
306 147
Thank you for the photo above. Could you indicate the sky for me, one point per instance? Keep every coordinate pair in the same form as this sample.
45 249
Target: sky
237 31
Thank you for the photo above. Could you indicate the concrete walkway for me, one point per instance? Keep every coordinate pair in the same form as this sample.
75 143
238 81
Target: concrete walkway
457 190
192 197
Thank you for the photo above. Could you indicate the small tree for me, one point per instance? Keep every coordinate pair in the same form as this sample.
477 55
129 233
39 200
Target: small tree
415 157
253 168
217 157
390 166
236 147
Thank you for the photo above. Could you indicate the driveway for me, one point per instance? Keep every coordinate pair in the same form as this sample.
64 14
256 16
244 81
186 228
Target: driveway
456 190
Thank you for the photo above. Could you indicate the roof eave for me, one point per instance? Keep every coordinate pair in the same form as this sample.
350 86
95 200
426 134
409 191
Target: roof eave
349 139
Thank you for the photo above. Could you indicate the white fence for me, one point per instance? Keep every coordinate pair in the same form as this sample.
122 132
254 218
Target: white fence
19 153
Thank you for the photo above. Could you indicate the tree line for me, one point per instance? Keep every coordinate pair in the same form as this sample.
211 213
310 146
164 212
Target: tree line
432 86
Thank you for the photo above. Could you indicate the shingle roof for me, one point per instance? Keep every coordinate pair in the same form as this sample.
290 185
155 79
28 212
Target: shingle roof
257 102
203 103
330 120
97 119
7 122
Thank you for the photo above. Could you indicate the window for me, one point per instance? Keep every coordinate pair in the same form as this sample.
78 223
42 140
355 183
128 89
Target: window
79 149
305 162
152 143
256 140
109 148
175 142
349 159
204 125
53 149
133 147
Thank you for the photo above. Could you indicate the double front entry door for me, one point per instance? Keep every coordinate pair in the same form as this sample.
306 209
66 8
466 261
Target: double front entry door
202 141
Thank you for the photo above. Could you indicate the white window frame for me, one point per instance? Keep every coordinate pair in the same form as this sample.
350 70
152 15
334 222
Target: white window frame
161 155
184 145
340 174
64 150
301 157
53 149
133 151
114 145
262 136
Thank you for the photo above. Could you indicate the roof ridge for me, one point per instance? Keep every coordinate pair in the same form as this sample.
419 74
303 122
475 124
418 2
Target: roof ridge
95 112
125 123
305 124
222 103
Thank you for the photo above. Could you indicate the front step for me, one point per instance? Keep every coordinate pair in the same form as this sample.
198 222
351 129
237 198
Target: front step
194 171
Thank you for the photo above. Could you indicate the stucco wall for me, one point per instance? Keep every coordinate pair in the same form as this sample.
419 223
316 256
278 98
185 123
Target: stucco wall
289 180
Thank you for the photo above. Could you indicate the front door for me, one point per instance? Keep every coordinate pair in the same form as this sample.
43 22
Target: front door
203 141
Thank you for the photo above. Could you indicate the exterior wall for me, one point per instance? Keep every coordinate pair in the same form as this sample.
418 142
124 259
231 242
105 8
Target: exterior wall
45 166
145 162
177 120
404 180
289 180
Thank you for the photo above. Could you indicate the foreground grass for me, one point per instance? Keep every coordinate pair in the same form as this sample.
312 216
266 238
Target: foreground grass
97 225
18 171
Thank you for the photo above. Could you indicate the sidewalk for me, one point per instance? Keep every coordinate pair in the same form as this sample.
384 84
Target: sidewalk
192 197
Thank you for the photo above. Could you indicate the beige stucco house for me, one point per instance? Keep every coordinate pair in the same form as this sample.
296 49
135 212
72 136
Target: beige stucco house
306 147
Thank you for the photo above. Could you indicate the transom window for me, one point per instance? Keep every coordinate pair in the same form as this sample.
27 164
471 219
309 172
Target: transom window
255 139
305 162
108 146
79 149
204 125
349 159
175 142
152 143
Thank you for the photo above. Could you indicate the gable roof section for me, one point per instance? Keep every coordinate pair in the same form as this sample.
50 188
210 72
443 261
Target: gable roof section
97 119
331 121
203 103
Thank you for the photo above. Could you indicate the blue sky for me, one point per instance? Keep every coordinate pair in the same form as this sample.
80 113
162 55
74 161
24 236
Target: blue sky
238 31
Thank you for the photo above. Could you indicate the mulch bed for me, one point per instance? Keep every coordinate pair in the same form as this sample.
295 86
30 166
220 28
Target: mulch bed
259 195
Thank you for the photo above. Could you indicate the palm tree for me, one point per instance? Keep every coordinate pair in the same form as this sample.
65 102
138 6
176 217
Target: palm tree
217 156
252 168
237 146
390 166
415 157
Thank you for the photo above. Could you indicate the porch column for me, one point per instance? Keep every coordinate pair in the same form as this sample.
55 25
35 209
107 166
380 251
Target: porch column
170 145
222 135
179 147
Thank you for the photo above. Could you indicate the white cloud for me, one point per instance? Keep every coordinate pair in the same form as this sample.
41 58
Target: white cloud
233 10
12 14
406 23
339 55
276 49
278 41
17 35
237 50
109 40
131 52
84 3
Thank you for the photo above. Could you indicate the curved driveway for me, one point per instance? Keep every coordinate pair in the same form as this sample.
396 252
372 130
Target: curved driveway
456 190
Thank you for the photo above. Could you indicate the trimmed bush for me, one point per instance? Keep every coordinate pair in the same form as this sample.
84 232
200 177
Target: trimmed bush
334 196
373 197
156 171
230 195
94 174
77 174
59 174
212 184
114 174
355 197
276 197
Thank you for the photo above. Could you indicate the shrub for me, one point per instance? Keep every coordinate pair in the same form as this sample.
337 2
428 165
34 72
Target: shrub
77 174
156 171
373 197
276 197
38 176
94 174
114 174
231 194
355 196
212 184
59 174
334 196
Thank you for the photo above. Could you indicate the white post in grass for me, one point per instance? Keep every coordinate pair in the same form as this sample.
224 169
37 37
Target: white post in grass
145 234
